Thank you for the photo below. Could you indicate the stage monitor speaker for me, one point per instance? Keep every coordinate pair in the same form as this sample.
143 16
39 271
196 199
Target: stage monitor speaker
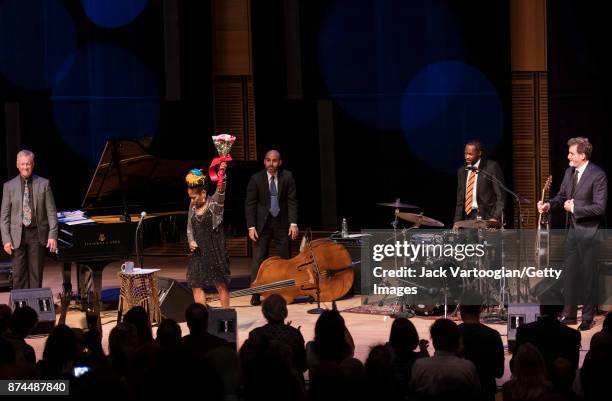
39 299
223 323
519 314
174 298
6 274
605 286
354 246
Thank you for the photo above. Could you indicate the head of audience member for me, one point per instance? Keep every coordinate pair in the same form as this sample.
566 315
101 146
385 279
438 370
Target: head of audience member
470 306
551 303
403 337
139 317
274 308
122 343
529 374
62 349
7 352
169 333
377 368
607 323
330 337
23 321
562 375
266 365
445 335
5 317
197 318
595 371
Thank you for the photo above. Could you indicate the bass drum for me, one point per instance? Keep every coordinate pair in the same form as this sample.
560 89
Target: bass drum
431 290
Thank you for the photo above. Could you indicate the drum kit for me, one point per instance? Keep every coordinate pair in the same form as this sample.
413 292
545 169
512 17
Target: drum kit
438 296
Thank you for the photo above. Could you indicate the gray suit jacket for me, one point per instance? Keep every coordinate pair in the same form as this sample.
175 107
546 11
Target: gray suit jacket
12 211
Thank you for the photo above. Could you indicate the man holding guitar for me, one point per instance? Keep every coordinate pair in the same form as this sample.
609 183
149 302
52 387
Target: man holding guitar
583 196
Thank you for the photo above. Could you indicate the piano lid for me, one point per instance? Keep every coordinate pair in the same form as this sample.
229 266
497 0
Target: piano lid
129 176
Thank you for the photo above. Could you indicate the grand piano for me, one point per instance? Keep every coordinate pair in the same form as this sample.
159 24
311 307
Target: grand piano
127 181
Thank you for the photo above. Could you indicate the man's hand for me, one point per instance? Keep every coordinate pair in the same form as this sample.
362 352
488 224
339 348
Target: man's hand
455 227
8 248
293 231
568 205
52 245
253 234
193 246
543 207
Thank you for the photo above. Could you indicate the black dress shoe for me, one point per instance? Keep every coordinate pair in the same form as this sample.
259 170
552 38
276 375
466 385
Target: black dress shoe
568 320
586 325
255 300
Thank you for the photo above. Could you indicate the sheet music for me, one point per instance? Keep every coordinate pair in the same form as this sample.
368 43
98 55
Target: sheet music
73 217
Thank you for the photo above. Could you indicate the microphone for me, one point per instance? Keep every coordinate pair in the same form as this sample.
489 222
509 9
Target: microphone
471 168
143 214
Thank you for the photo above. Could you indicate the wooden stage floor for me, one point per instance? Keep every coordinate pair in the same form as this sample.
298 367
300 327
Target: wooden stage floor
367 329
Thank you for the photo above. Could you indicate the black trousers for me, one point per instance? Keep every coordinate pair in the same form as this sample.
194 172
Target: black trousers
28 260
580 275
272 229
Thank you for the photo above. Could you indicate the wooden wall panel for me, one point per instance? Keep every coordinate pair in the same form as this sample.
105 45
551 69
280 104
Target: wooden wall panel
529 139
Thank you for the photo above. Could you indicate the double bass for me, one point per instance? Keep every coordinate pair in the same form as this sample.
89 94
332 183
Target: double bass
297 276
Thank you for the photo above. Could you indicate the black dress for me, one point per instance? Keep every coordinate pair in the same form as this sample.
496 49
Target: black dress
209 264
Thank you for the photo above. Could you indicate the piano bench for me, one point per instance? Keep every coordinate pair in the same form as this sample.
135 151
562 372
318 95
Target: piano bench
139 289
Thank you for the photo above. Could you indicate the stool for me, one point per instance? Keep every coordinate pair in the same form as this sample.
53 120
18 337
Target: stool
139 289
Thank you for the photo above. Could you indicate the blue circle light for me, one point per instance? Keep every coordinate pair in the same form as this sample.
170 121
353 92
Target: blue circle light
35 38
104 92
370 49
113 13
445 105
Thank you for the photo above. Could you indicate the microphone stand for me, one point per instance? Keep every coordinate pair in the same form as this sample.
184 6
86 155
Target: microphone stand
519 200
139 255
318 310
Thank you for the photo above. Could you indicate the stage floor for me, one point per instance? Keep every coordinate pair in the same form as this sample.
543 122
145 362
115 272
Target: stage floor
366 329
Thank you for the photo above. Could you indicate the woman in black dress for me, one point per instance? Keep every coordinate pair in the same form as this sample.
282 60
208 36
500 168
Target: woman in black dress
209 261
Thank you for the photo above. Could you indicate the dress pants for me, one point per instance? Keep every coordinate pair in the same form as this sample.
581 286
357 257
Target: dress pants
272 229
28 260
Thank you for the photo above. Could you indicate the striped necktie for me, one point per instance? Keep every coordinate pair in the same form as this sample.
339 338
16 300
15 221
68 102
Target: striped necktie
469 192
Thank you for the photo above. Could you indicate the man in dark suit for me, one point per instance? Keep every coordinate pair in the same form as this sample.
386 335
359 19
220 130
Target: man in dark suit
28 222
583 196
478 194
271 211
548 335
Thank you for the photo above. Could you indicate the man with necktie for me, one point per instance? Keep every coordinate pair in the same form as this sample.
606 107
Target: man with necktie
29 222
271 211
583 197
477 193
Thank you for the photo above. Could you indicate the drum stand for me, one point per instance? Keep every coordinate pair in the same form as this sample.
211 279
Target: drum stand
403 310
498 313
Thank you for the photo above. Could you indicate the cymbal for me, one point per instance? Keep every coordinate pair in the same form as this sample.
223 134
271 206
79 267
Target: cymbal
420 219
398 205
478 224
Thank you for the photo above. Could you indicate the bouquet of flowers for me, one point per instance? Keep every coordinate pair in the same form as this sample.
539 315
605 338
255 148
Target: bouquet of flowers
223 143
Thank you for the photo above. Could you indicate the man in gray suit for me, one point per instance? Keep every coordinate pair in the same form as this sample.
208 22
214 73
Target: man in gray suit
28 222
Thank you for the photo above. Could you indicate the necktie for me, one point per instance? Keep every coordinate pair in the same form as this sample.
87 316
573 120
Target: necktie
574 184
469 193
27 211
274 208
